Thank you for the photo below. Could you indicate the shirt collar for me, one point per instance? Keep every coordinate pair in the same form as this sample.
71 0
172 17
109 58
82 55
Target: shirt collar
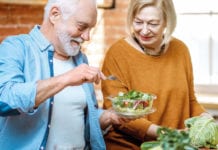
40 39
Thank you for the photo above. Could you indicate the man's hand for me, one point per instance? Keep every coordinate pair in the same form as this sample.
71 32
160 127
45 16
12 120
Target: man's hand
77 76
83 73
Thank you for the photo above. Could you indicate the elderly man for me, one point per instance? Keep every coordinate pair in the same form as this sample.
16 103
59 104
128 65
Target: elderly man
46 92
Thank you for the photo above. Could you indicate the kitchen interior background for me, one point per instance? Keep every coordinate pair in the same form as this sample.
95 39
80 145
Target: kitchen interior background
197 27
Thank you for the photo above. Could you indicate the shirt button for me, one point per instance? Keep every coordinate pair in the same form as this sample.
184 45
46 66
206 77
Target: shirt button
41 148
52 103
49 126
51 60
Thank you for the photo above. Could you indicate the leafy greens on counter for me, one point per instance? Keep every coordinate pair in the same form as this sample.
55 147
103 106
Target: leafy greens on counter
169 139
203 131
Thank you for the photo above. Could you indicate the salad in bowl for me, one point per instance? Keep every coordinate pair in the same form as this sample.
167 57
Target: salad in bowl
133 104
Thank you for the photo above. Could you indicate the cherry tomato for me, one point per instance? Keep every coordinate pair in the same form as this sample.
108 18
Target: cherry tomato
145 104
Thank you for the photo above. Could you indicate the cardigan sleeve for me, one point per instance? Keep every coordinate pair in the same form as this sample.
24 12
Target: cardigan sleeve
196 108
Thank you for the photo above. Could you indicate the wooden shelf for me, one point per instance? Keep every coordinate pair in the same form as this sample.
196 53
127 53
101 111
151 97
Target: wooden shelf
24 2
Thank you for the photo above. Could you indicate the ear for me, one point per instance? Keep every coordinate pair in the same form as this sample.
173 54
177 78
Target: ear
54 14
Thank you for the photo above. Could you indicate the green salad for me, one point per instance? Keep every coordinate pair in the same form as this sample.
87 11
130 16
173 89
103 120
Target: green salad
133 102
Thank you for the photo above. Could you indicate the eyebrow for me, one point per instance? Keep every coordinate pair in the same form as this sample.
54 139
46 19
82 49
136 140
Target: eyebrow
158 20
82 23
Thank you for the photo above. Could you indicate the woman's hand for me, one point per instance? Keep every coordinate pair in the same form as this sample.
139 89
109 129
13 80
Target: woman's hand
206 114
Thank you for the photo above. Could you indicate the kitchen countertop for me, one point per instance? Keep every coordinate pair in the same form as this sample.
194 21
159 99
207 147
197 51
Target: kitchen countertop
209 101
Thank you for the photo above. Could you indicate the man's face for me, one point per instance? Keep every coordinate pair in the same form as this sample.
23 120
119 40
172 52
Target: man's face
72 32
70 45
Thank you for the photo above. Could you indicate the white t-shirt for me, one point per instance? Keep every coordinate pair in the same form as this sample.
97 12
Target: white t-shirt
67 121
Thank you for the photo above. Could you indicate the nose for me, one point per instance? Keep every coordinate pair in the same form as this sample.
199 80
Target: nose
86 35
146 29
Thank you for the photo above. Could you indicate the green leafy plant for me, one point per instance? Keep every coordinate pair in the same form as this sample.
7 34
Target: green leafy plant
169 139
203 131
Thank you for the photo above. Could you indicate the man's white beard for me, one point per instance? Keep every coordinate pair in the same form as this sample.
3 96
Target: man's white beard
65 40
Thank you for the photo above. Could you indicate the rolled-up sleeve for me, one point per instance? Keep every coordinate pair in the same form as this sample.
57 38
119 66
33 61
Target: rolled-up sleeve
16 93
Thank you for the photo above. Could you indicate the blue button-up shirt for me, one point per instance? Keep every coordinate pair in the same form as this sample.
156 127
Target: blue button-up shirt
25 59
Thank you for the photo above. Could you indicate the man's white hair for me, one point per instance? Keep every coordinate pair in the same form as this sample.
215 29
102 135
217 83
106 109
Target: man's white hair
66 7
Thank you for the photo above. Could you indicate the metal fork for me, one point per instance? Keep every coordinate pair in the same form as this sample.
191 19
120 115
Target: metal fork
112 77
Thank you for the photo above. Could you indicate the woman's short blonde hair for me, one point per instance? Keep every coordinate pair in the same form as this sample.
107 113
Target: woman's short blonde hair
168 11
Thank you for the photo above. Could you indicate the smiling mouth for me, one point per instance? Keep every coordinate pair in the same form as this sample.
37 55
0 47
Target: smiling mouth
75 43
145 38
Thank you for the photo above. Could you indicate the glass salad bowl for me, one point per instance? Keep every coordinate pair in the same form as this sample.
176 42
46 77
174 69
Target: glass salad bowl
133 104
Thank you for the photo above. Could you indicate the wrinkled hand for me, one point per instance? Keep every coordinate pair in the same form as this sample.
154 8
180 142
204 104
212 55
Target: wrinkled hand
82 74
207 115
185 129
109 117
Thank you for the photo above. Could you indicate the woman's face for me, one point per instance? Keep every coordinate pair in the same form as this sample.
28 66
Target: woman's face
149 26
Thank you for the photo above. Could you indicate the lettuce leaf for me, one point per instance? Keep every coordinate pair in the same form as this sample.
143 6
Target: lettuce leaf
203 131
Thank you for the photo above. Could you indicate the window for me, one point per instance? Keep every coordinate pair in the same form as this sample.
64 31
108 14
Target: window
106 4
197 26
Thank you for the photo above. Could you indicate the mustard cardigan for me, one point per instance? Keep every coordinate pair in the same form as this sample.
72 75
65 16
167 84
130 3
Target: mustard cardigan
169 77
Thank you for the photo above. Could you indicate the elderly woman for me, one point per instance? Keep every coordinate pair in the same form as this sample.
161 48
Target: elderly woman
152 61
